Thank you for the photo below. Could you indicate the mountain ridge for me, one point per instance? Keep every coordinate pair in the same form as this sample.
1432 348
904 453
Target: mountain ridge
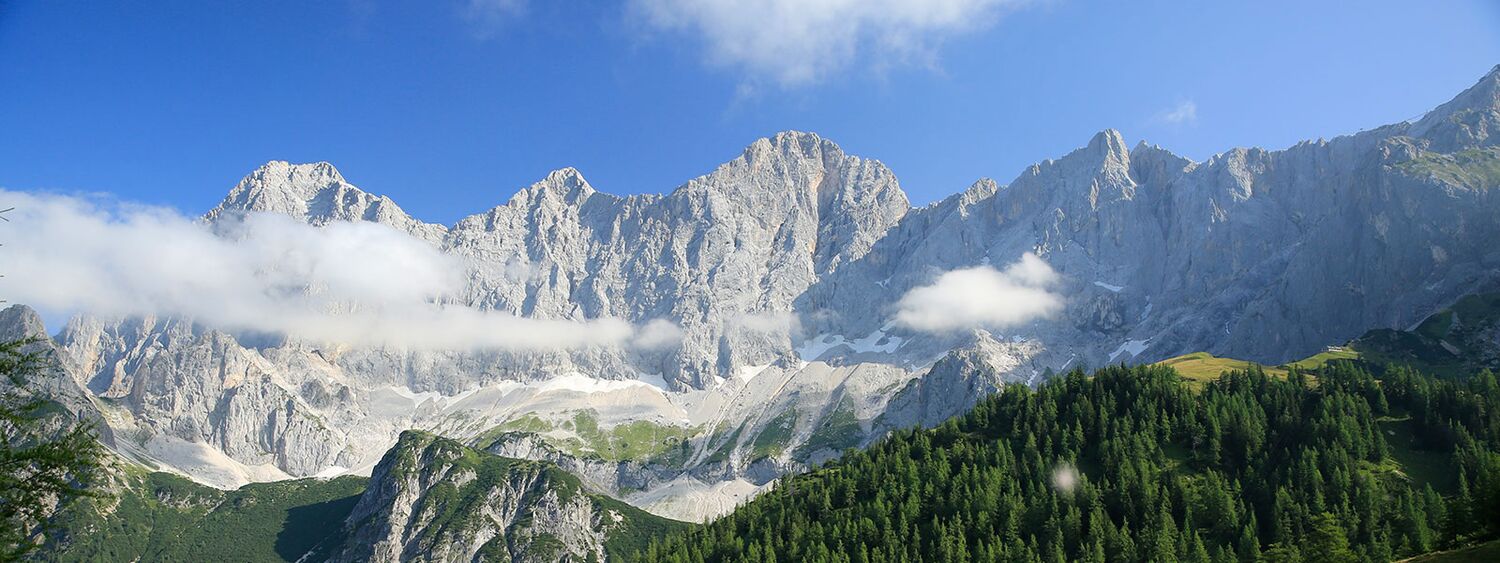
783 267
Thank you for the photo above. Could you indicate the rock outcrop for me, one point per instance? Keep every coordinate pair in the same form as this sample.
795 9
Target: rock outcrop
433 499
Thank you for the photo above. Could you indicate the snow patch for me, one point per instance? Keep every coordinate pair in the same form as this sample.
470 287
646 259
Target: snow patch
819 344
581 383
414 397
1111 287
875 342
1132 347
653 379
747 373
461 396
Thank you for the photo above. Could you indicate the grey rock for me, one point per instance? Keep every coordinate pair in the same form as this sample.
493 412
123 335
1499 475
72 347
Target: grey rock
432 499
1256 254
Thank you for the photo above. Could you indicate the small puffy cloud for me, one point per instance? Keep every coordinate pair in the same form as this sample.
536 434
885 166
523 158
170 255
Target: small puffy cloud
767 323
1184 113
349 283
1065 477
657 334
982 297
796 42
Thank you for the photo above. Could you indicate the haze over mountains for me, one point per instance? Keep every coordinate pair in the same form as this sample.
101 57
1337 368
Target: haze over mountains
682 350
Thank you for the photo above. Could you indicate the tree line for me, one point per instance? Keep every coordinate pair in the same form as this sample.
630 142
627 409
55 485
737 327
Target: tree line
1131 464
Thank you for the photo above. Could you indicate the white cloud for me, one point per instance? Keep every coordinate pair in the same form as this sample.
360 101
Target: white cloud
487 16
767 323
1184 113
659 333
1065 477
796 42
982 297
352 283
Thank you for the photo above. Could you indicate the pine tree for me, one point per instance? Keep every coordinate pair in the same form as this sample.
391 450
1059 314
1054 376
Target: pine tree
1281 553
980 486
41 466
1460 513
1327 542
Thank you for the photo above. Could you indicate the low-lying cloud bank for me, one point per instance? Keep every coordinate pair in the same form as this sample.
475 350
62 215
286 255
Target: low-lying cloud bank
982 297
347 283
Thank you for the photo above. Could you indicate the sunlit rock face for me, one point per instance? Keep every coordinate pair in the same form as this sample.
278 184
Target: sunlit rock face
782 268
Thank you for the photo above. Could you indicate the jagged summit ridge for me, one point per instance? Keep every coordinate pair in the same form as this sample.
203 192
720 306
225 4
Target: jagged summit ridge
1469 119
317 194
783 266
282 187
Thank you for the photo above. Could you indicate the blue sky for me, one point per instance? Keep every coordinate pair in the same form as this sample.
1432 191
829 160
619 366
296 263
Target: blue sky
450 106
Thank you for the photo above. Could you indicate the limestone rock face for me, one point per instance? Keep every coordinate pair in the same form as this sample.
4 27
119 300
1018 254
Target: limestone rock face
782 268
431 499
52 381
953 384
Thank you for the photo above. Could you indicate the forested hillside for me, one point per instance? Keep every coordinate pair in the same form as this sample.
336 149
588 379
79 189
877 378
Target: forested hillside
162 517
1132 464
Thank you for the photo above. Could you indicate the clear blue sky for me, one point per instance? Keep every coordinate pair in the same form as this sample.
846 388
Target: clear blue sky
449 108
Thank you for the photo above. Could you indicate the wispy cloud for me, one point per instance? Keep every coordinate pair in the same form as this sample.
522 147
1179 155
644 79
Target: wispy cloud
488 16
767 323
982 297
1184 113
351 283
797 42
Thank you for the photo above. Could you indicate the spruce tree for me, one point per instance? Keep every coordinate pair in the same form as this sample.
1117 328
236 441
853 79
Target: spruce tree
46 459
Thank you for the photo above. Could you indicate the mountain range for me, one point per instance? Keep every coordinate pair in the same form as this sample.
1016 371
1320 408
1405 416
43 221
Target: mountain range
781 273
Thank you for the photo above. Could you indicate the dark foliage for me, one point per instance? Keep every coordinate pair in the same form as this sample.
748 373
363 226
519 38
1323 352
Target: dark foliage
46 456
1252 467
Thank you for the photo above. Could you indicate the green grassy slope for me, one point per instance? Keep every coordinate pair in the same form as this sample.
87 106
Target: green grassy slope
1488 552
1449 343
1202 367
1477 168
582 436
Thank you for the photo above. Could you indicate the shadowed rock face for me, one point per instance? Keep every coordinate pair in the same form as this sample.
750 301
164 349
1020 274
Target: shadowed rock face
1263 255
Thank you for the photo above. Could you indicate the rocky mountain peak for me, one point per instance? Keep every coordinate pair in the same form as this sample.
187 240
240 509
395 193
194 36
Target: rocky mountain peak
316 193
281 187
1082 180
294 180
1151 164
1484 95
980 190
1469 120
799 170
795 156
795 144
1109 146
565 185
20 321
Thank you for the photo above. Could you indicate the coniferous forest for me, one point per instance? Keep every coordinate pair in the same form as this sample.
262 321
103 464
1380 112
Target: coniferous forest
1136 464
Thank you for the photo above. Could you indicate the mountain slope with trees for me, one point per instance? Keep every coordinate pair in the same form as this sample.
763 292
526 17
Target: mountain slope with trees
1132 464
156 516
